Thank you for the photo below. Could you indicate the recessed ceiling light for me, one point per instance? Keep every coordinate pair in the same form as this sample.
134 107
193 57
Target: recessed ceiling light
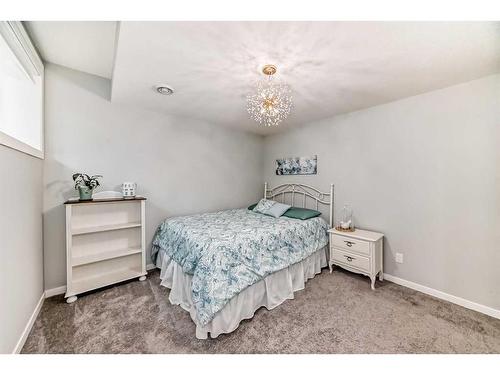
164 89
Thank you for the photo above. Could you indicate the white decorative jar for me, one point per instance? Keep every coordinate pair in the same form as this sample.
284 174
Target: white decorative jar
129 189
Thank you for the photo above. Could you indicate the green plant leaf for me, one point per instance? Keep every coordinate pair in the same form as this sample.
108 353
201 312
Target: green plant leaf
85 180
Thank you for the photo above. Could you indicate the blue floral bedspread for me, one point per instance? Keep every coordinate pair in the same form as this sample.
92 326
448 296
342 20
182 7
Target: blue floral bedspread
227 251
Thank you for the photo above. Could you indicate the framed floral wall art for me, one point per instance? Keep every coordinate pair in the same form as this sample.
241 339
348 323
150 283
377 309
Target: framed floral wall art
297 165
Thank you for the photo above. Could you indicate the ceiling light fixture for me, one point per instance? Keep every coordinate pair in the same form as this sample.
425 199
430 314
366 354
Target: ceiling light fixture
271 102
164 89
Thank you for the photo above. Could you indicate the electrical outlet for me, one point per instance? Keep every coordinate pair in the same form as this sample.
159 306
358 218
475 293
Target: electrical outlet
399 257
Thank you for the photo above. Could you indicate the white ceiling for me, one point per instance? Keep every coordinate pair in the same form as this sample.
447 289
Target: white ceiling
85 46
332 67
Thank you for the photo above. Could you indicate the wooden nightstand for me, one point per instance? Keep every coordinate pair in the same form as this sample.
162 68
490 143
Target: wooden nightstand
360 251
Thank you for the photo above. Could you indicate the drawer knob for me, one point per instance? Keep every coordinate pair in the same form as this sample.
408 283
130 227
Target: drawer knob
349 259
349 243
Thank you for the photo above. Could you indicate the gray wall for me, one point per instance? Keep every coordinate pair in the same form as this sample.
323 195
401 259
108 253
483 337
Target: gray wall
182 166
21 253
426 172
422 170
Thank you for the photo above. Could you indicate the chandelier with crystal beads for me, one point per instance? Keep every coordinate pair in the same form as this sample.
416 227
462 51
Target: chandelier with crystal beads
271 101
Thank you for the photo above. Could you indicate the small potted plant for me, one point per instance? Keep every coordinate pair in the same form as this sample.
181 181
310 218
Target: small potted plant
85 185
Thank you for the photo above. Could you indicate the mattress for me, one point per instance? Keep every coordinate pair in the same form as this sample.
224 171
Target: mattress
227 251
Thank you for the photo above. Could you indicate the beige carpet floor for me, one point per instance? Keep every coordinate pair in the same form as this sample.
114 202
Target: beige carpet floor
335 313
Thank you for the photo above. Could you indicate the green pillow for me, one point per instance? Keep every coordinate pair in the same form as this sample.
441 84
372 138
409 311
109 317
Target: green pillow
252 206
301 213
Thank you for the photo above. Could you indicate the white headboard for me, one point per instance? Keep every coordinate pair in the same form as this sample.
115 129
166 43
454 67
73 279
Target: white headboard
299 194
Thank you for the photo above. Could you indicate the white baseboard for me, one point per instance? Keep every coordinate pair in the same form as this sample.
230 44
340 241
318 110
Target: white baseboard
29 325
409 284
55 291
445 296
48 293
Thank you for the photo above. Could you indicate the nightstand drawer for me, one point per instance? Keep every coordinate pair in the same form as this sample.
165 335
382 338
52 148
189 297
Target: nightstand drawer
350 244
351 259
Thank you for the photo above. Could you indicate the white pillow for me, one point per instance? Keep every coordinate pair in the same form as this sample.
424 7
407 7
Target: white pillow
263 205
271 208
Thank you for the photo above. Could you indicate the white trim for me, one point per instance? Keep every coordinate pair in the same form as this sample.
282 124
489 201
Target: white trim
445 296
55 291
29 325
47 294
15 144
18 40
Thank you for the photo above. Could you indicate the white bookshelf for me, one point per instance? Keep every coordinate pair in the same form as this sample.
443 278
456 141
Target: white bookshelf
105 243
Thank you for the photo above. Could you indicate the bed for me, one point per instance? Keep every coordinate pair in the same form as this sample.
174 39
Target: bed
223 266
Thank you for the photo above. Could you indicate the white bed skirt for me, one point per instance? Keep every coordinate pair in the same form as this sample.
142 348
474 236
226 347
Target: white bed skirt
269 292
